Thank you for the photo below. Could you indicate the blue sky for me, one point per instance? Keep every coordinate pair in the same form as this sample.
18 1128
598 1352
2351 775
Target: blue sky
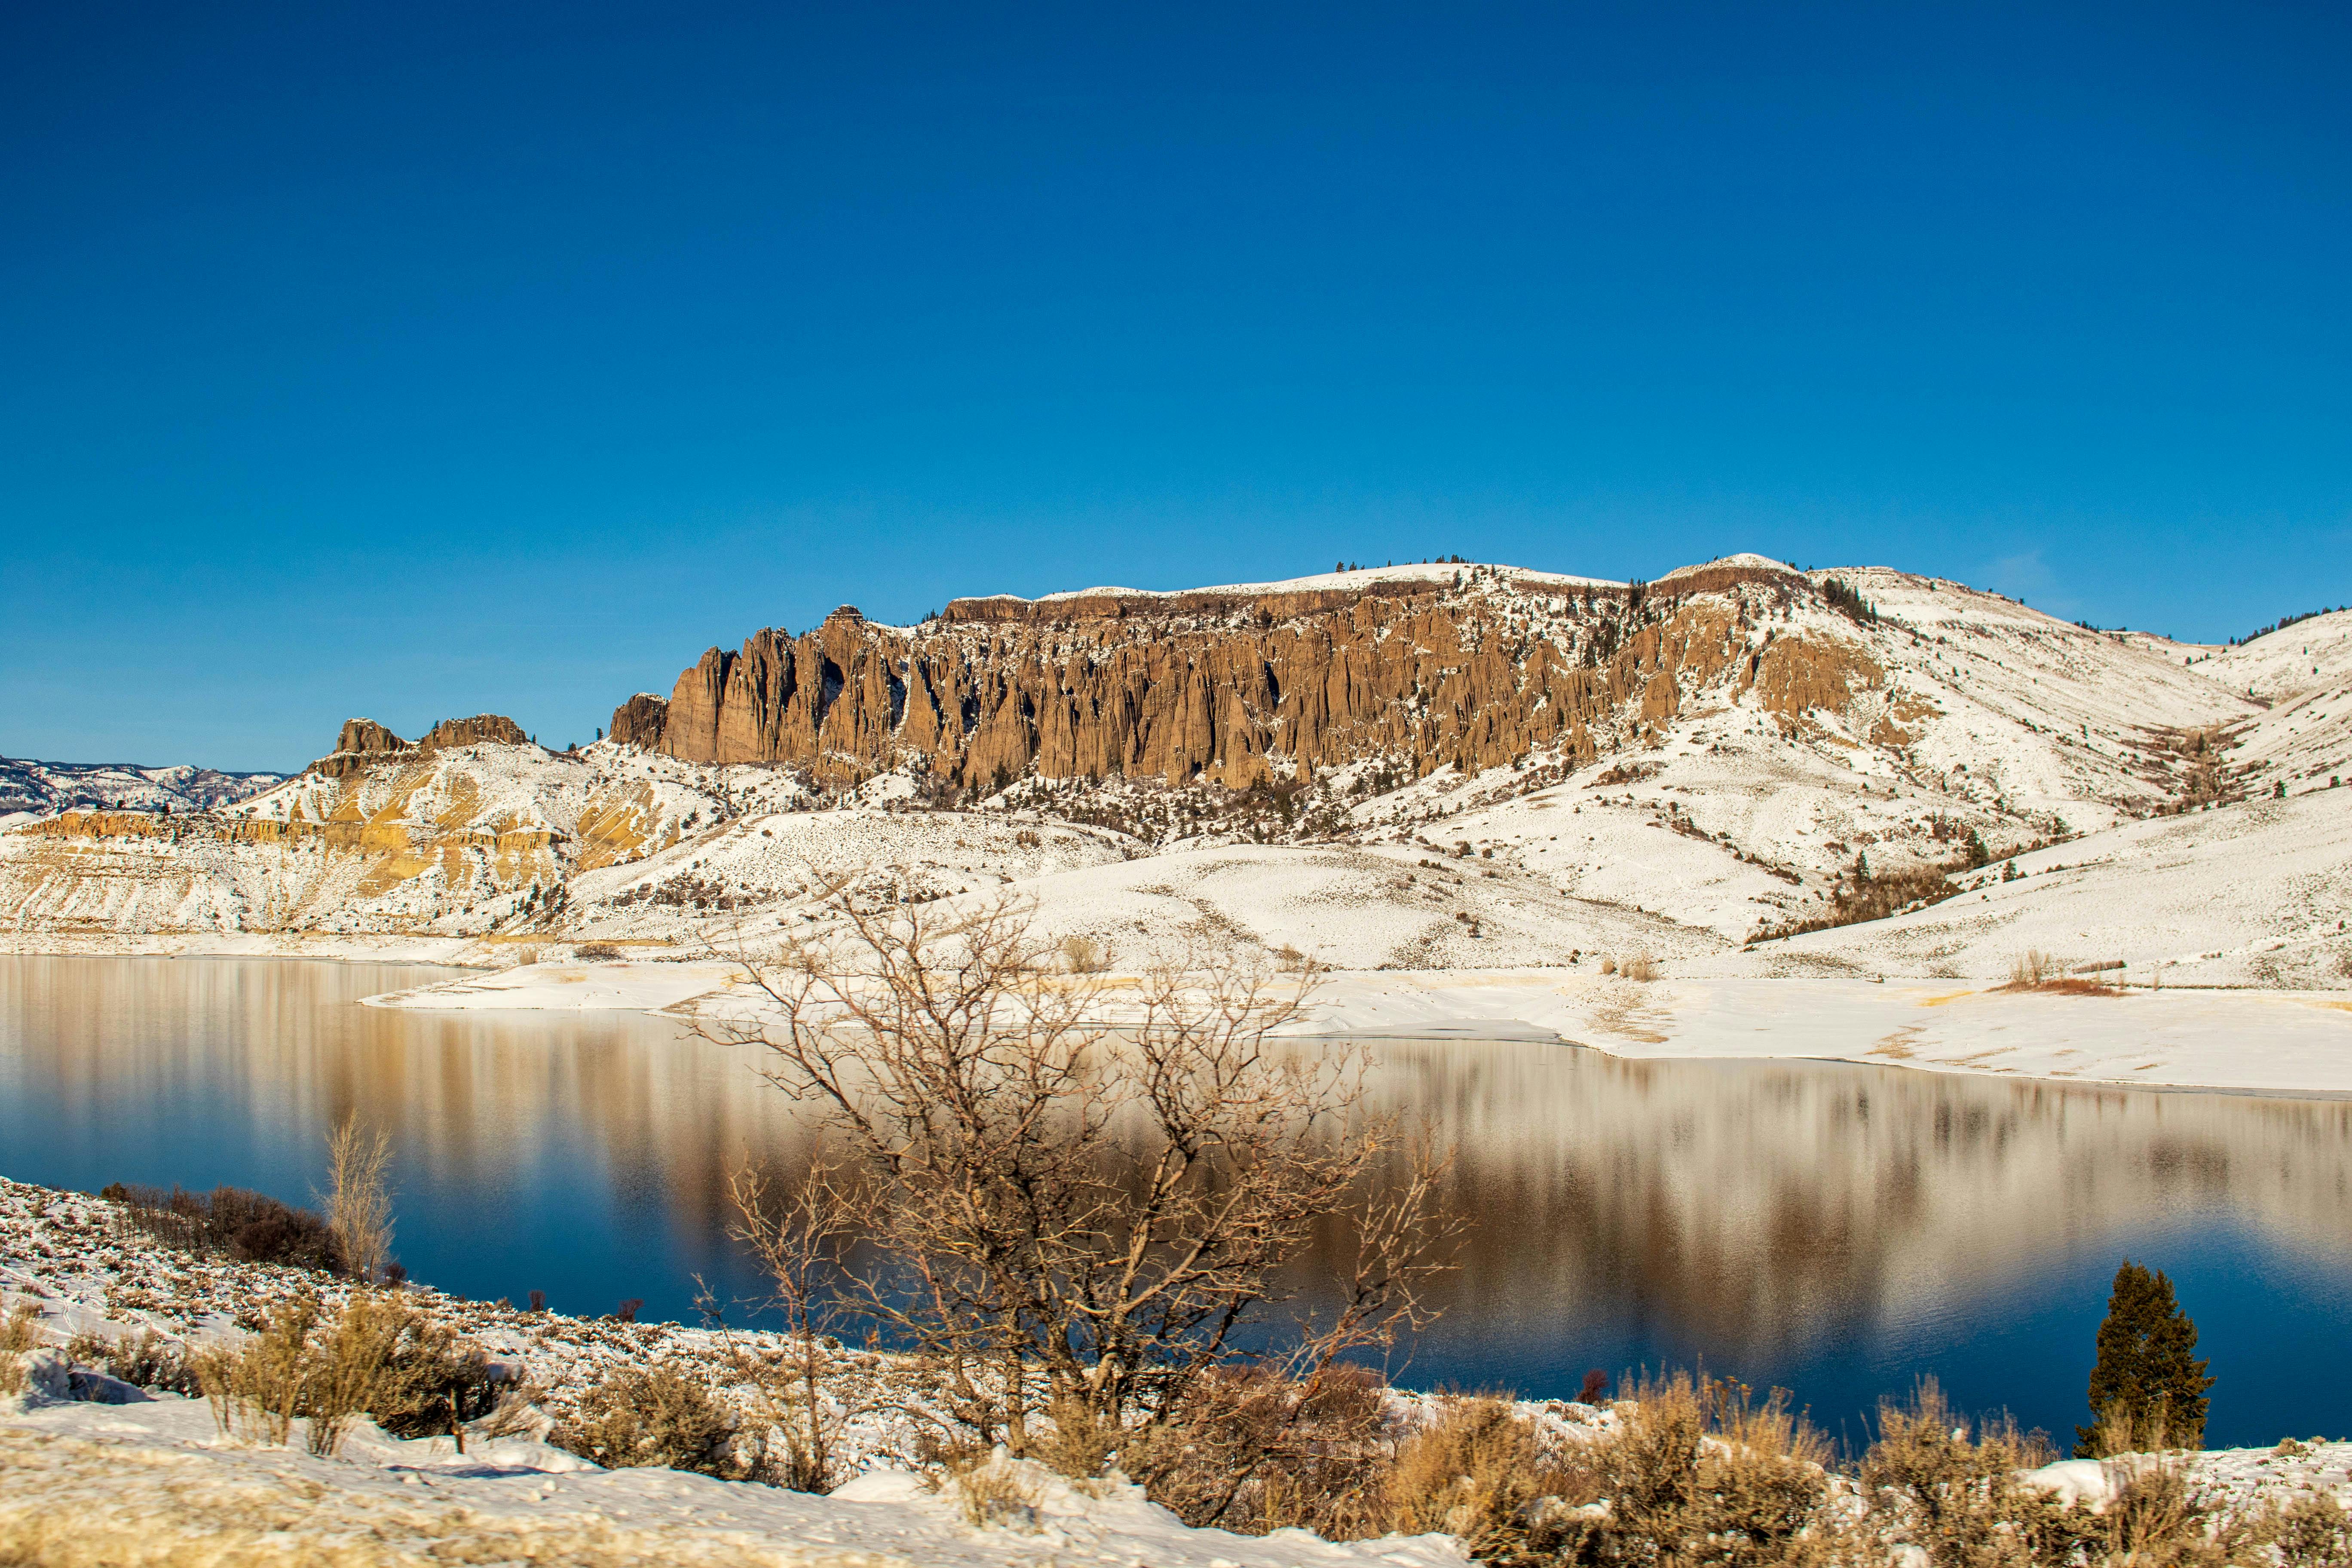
417 360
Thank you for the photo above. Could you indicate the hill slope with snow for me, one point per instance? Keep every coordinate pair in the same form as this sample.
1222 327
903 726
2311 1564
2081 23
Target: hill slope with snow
1766 758
30 788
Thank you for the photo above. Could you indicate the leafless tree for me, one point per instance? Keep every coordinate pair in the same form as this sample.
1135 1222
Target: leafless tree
1076 1190
359 1196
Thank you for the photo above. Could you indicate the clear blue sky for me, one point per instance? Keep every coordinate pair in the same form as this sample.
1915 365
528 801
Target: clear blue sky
413 360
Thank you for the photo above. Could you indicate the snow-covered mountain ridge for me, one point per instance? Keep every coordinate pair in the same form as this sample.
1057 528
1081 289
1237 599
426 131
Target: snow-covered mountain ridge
30 788
1454 767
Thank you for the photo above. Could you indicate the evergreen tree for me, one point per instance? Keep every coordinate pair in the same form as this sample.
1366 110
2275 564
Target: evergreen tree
2146 1375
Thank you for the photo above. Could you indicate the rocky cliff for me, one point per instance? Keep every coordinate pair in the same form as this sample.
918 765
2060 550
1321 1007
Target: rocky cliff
1474 667
365 742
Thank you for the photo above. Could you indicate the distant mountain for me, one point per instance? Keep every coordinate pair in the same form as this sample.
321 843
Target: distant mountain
43 787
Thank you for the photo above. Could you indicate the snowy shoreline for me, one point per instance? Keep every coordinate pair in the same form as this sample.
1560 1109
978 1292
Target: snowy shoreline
2242 1039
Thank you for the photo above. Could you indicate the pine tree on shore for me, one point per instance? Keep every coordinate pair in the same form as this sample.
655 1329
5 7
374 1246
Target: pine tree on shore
2148 1390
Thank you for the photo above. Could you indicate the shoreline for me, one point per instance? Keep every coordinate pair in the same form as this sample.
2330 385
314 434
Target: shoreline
2218 1039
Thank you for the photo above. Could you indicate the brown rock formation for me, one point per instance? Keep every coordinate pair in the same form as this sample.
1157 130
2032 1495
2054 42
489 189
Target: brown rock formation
1234 688
361 736
640 721
365 742
481 727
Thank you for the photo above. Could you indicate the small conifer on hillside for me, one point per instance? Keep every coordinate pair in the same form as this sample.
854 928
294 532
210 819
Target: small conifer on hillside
2148 1390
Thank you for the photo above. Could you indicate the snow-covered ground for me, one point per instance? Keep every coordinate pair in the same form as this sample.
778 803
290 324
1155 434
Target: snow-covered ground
156 1479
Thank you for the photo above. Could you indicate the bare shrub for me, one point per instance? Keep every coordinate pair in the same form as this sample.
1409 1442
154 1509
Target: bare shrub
146 1359
347 1371
1607 966
1083 956
1251 1449
1641 966
658 1415
19 1332
250 1227
2033 966
596 952
1072 1206
2311 1530
515 1413
380 1358
1076 1442
524 957
797 1233
375 1357
256 1389
359 1196
1862 895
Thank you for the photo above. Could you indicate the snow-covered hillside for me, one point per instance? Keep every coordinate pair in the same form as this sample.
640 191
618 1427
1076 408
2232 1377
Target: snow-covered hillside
1782 740
28 788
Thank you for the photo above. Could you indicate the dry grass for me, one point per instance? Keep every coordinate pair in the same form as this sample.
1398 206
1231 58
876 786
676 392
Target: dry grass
1083 955
993 1492
2033 966
1698 1471
70 1503
19 1332
1641 966
1474 1472
2046 973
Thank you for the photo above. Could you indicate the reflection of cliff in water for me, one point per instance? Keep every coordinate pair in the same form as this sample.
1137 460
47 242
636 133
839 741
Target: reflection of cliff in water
1756 1207
1758 1213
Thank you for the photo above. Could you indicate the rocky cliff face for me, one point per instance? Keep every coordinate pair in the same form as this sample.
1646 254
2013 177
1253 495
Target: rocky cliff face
1475 669
640 721
365 742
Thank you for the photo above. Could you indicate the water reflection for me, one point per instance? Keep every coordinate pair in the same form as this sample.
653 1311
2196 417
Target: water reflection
1835 1229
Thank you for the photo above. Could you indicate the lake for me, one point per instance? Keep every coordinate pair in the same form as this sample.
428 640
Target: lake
1837 1230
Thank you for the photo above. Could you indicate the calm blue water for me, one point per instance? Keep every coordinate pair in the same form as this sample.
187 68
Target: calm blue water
1836 1230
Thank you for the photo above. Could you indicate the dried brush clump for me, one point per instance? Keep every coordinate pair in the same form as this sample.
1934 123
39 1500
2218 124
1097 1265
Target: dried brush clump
1478 1471
375 1357
1251 1450
2033 966
145 1360
19 1332
1696 1470
659 1416
994 1491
